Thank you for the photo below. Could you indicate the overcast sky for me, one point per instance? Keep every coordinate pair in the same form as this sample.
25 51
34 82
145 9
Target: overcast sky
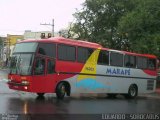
16 16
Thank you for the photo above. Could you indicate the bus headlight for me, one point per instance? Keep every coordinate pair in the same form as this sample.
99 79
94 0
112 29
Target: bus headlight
25 82
25 87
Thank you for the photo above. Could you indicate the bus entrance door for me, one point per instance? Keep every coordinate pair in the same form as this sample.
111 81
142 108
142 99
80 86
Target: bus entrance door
43 79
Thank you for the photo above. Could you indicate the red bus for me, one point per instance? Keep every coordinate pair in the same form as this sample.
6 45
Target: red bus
64 66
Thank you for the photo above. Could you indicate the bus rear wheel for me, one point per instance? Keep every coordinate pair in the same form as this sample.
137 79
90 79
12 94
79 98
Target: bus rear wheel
61 90
132 92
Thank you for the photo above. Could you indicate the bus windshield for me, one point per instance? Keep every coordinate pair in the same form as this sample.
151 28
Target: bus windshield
25 47
22 58
21 64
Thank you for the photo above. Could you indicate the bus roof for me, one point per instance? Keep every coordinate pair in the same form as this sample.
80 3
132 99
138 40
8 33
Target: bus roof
131 53
67 41
142 55
84 44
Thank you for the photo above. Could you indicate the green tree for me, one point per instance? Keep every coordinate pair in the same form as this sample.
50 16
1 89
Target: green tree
98 21
120 24
142 26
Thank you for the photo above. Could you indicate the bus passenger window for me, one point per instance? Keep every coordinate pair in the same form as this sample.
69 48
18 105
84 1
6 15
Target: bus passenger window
66 52
116 59
151 64
84 54
130 61
103 57
50 67
141 62
42 51
39 66
47 49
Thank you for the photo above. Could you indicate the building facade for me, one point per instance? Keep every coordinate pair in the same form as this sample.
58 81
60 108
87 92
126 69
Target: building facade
28 34
9 42
2 39
13 39
8 45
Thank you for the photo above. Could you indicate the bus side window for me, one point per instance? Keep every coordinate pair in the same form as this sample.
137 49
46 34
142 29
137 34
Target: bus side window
126 61
47 49
116 59
130 61
50 67
142 62
39 66
151 64
103 57
66 52
84 54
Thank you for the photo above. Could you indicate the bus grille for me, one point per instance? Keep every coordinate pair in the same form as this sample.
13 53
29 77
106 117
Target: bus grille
150 84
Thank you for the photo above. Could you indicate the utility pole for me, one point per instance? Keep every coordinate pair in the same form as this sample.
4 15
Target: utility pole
50 25
9 52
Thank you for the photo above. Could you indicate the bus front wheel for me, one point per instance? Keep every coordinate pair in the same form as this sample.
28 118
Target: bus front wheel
132 91
61 90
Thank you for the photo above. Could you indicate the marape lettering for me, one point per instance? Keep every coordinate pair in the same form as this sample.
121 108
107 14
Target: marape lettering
117 71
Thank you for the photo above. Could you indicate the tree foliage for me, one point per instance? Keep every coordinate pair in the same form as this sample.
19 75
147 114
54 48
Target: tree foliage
120 24
98 20
142 26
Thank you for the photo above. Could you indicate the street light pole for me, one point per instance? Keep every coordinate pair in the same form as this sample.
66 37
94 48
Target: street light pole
53 27
8 48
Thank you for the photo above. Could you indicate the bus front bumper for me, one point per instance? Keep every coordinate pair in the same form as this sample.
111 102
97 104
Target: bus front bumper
23 86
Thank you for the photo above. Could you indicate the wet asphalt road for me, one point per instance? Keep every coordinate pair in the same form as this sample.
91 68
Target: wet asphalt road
22 103
14 102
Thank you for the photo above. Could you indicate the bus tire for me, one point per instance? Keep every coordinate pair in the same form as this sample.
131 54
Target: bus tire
61 90
132 91
40 94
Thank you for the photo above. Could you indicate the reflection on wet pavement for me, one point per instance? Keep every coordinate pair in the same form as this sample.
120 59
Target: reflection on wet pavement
26 103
